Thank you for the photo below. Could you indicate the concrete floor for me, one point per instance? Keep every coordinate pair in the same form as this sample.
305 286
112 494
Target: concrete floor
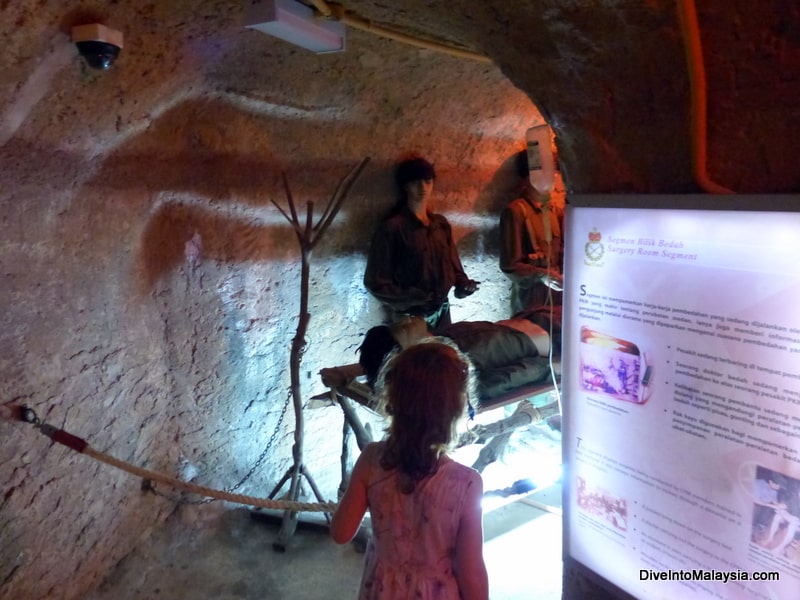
220 551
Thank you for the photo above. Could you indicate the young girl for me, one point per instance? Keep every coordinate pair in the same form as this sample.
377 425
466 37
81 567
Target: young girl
425 508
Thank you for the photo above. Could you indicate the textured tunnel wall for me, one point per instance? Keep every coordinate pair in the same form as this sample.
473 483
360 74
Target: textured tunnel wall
150 288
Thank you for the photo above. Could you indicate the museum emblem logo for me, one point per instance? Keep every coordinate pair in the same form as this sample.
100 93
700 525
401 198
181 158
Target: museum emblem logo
594 249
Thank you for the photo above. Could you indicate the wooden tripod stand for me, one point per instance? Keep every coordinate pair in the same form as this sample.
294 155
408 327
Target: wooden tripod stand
307 236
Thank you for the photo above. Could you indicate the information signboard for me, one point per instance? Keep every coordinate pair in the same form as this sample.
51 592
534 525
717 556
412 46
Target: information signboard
681 394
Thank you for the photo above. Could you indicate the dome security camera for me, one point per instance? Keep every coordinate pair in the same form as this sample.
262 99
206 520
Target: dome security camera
98 44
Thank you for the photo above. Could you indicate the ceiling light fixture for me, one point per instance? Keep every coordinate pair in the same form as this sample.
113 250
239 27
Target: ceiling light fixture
296 23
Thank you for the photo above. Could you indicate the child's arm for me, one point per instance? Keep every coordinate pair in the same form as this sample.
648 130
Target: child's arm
353 504
470 570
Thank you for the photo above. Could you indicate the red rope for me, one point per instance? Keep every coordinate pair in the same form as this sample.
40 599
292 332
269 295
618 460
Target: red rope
12 412
62 437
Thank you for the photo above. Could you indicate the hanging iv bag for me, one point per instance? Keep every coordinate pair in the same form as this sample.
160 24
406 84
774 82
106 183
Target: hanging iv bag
541 164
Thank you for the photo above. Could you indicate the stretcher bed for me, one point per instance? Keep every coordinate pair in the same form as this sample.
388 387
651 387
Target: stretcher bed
525 384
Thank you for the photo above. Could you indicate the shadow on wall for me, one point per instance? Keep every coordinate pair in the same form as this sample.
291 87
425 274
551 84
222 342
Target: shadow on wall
501 187
218 152
179 233
215 170
186 233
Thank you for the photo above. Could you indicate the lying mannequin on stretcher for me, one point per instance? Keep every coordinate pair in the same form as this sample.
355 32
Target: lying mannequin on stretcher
507 355
512 361
511 357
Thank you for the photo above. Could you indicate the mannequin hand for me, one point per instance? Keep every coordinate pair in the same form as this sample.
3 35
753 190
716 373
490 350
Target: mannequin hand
469 288
554 281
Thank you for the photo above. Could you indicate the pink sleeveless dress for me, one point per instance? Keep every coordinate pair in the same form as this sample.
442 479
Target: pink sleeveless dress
410 553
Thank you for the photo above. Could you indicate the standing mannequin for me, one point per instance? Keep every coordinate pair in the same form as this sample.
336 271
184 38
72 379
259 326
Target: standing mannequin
532 245
413 262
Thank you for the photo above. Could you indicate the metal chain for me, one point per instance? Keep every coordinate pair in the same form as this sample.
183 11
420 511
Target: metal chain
149 486
266 450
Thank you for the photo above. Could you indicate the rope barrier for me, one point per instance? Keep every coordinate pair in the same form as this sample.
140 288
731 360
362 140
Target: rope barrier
25 414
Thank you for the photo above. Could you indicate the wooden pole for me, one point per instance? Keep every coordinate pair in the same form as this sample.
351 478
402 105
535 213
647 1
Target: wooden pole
307 240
